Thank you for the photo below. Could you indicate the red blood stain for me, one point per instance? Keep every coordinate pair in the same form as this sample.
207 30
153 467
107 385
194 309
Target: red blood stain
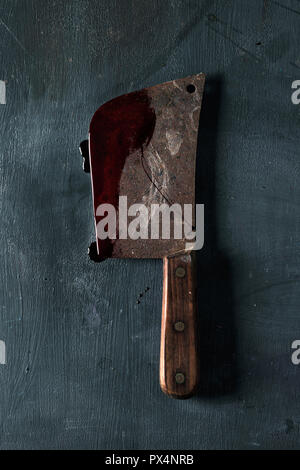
119 128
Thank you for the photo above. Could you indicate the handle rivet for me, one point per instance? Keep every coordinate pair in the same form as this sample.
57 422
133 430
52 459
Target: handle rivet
180 378
179 326
180 271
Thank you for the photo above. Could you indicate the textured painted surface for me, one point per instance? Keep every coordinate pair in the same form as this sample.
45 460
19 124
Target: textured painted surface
82 339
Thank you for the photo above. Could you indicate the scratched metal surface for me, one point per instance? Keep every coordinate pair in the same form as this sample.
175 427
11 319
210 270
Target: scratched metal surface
83 339
163 171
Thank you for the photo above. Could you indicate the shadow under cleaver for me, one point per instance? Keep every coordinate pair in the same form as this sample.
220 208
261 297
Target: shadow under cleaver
216 318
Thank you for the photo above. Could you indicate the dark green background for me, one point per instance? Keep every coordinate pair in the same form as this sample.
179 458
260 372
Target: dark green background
82 354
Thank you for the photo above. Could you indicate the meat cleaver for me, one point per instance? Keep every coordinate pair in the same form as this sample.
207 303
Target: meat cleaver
143 145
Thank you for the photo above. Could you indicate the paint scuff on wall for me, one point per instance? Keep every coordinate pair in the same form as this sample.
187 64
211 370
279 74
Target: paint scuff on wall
2 92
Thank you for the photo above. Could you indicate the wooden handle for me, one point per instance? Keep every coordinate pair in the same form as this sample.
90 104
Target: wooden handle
178 354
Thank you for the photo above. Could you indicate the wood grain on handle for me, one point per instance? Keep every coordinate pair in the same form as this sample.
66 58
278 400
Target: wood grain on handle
178 354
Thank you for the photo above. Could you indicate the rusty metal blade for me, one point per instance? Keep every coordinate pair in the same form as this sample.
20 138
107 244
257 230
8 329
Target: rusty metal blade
143 145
